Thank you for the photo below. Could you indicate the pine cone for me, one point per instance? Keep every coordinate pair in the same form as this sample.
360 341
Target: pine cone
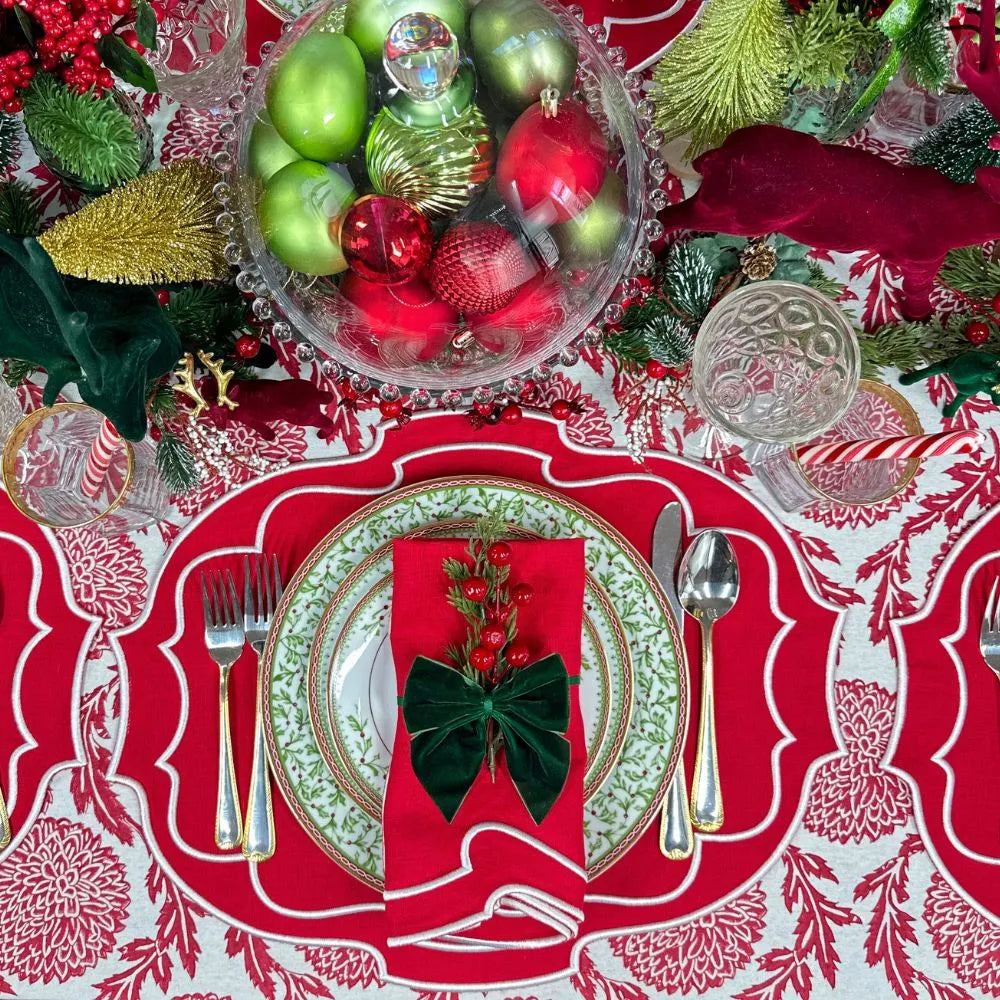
758 261
478 267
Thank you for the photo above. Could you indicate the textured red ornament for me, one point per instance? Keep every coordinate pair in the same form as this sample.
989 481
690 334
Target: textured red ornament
478 267
385 239
550 168
400 324
977 332
538 308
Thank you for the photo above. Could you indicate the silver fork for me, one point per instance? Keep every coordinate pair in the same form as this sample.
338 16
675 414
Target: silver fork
224 639
989 633
261 593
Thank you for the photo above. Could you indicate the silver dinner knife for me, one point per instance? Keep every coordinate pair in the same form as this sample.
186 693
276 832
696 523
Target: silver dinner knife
676 839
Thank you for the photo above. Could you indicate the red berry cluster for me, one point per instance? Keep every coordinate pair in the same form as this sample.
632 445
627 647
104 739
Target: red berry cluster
68 30
491 629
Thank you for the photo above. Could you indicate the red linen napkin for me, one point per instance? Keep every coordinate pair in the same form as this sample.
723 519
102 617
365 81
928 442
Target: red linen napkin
492 878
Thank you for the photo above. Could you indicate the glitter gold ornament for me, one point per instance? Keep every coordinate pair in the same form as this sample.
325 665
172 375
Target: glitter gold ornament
157 229
758 260
435 169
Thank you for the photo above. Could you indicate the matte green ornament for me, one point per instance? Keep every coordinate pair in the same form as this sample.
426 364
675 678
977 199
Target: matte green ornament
591 237
267 150
520 48
111 340
441 111
296 211
367 22
317 96
437 170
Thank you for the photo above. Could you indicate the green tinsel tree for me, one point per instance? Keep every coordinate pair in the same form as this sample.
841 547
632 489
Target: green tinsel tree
9 135
91 136
19 209
959 146
728 72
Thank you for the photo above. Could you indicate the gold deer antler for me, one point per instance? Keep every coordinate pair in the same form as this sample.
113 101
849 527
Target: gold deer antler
186 387
222 379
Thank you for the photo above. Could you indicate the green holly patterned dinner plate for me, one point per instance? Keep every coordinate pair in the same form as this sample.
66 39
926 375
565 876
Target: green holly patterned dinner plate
631 793
352 685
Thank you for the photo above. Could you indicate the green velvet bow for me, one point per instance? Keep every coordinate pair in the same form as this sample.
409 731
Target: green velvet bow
446 713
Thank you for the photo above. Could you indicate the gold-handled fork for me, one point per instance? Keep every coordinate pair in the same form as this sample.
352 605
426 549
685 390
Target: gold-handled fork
224 639
261 594
989 632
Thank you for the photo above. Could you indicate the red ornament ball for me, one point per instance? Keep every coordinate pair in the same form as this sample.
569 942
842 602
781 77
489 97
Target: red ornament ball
385 239
550 167
163 296
977 332
247 346
522 594
474 588
390 408
493 637
482 658
517 654
399 324
656 369
498 554
511 414
478 267
561 409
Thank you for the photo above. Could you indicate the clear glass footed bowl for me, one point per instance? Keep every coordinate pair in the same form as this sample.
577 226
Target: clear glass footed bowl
457 224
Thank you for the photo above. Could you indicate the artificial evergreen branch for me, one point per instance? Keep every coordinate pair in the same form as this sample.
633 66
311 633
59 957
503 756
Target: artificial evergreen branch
208 317
19 209
91 136
10 146
728 72
669 340
912 345
175 463
16 371
960 145
688 280
822 282
824 41
925 49
157 229
647 328
972 273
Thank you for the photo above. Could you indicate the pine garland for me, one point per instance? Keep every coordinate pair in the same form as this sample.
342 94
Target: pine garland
688 280
925 49
970 271
175 463
959 146
157 229
90 136
208 317
19 209
824 41
823 283
17 371
728 72
10 146
912 345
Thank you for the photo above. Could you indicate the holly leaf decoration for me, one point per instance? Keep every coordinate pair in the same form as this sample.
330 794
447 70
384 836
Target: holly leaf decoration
126 63
145 24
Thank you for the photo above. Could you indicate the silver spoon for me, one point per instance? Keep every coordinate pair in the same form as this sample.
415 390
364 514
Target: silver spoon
709 586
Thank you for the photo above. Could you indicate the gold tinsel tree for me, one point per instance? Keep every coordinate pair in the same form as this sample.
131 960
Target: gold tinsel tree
157 229
728 72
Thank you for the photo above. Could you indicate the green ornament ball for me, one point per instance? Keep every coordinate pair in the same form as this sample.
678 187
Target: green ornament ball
268 152
441 111
435 170
296 211
520 48
367 22
317 96
590 238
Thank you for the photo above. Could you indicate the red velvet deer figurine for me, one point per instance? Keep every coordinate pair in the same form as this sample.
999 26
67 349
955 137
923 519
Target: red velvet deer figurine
765 179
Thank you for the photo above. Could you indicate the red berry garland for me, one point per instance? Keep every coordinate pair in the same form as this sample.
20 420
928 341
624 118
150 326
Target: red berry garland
482 658
498 554
474 588
977 332
493 637
522 594
247 346
517 654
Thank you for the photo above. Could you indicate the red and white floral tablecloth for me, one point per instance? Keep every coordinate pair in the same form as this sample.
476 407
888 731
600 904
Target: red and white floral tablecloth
863 901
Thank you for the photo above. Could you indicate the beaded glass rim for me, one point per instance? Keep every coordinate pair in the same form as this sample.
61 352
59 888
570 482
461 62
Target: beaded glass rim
649 229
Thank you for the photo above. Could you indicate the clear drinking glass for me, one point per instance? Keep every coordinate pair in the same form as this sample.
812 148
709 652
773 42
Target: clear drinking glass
43 465
200 51
876 411
775 361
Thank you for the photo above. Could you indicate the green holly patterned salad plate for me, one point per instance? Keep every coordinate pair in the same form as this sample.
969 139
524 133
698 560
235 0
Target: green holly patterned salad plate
352 681
327 805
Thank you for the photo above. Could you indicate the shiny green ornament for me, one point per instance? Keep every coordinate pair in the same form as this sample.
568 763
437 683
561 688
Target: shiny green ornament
441 111
317 96
437 170
299 204
367 22
268 152
520 48
590 238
